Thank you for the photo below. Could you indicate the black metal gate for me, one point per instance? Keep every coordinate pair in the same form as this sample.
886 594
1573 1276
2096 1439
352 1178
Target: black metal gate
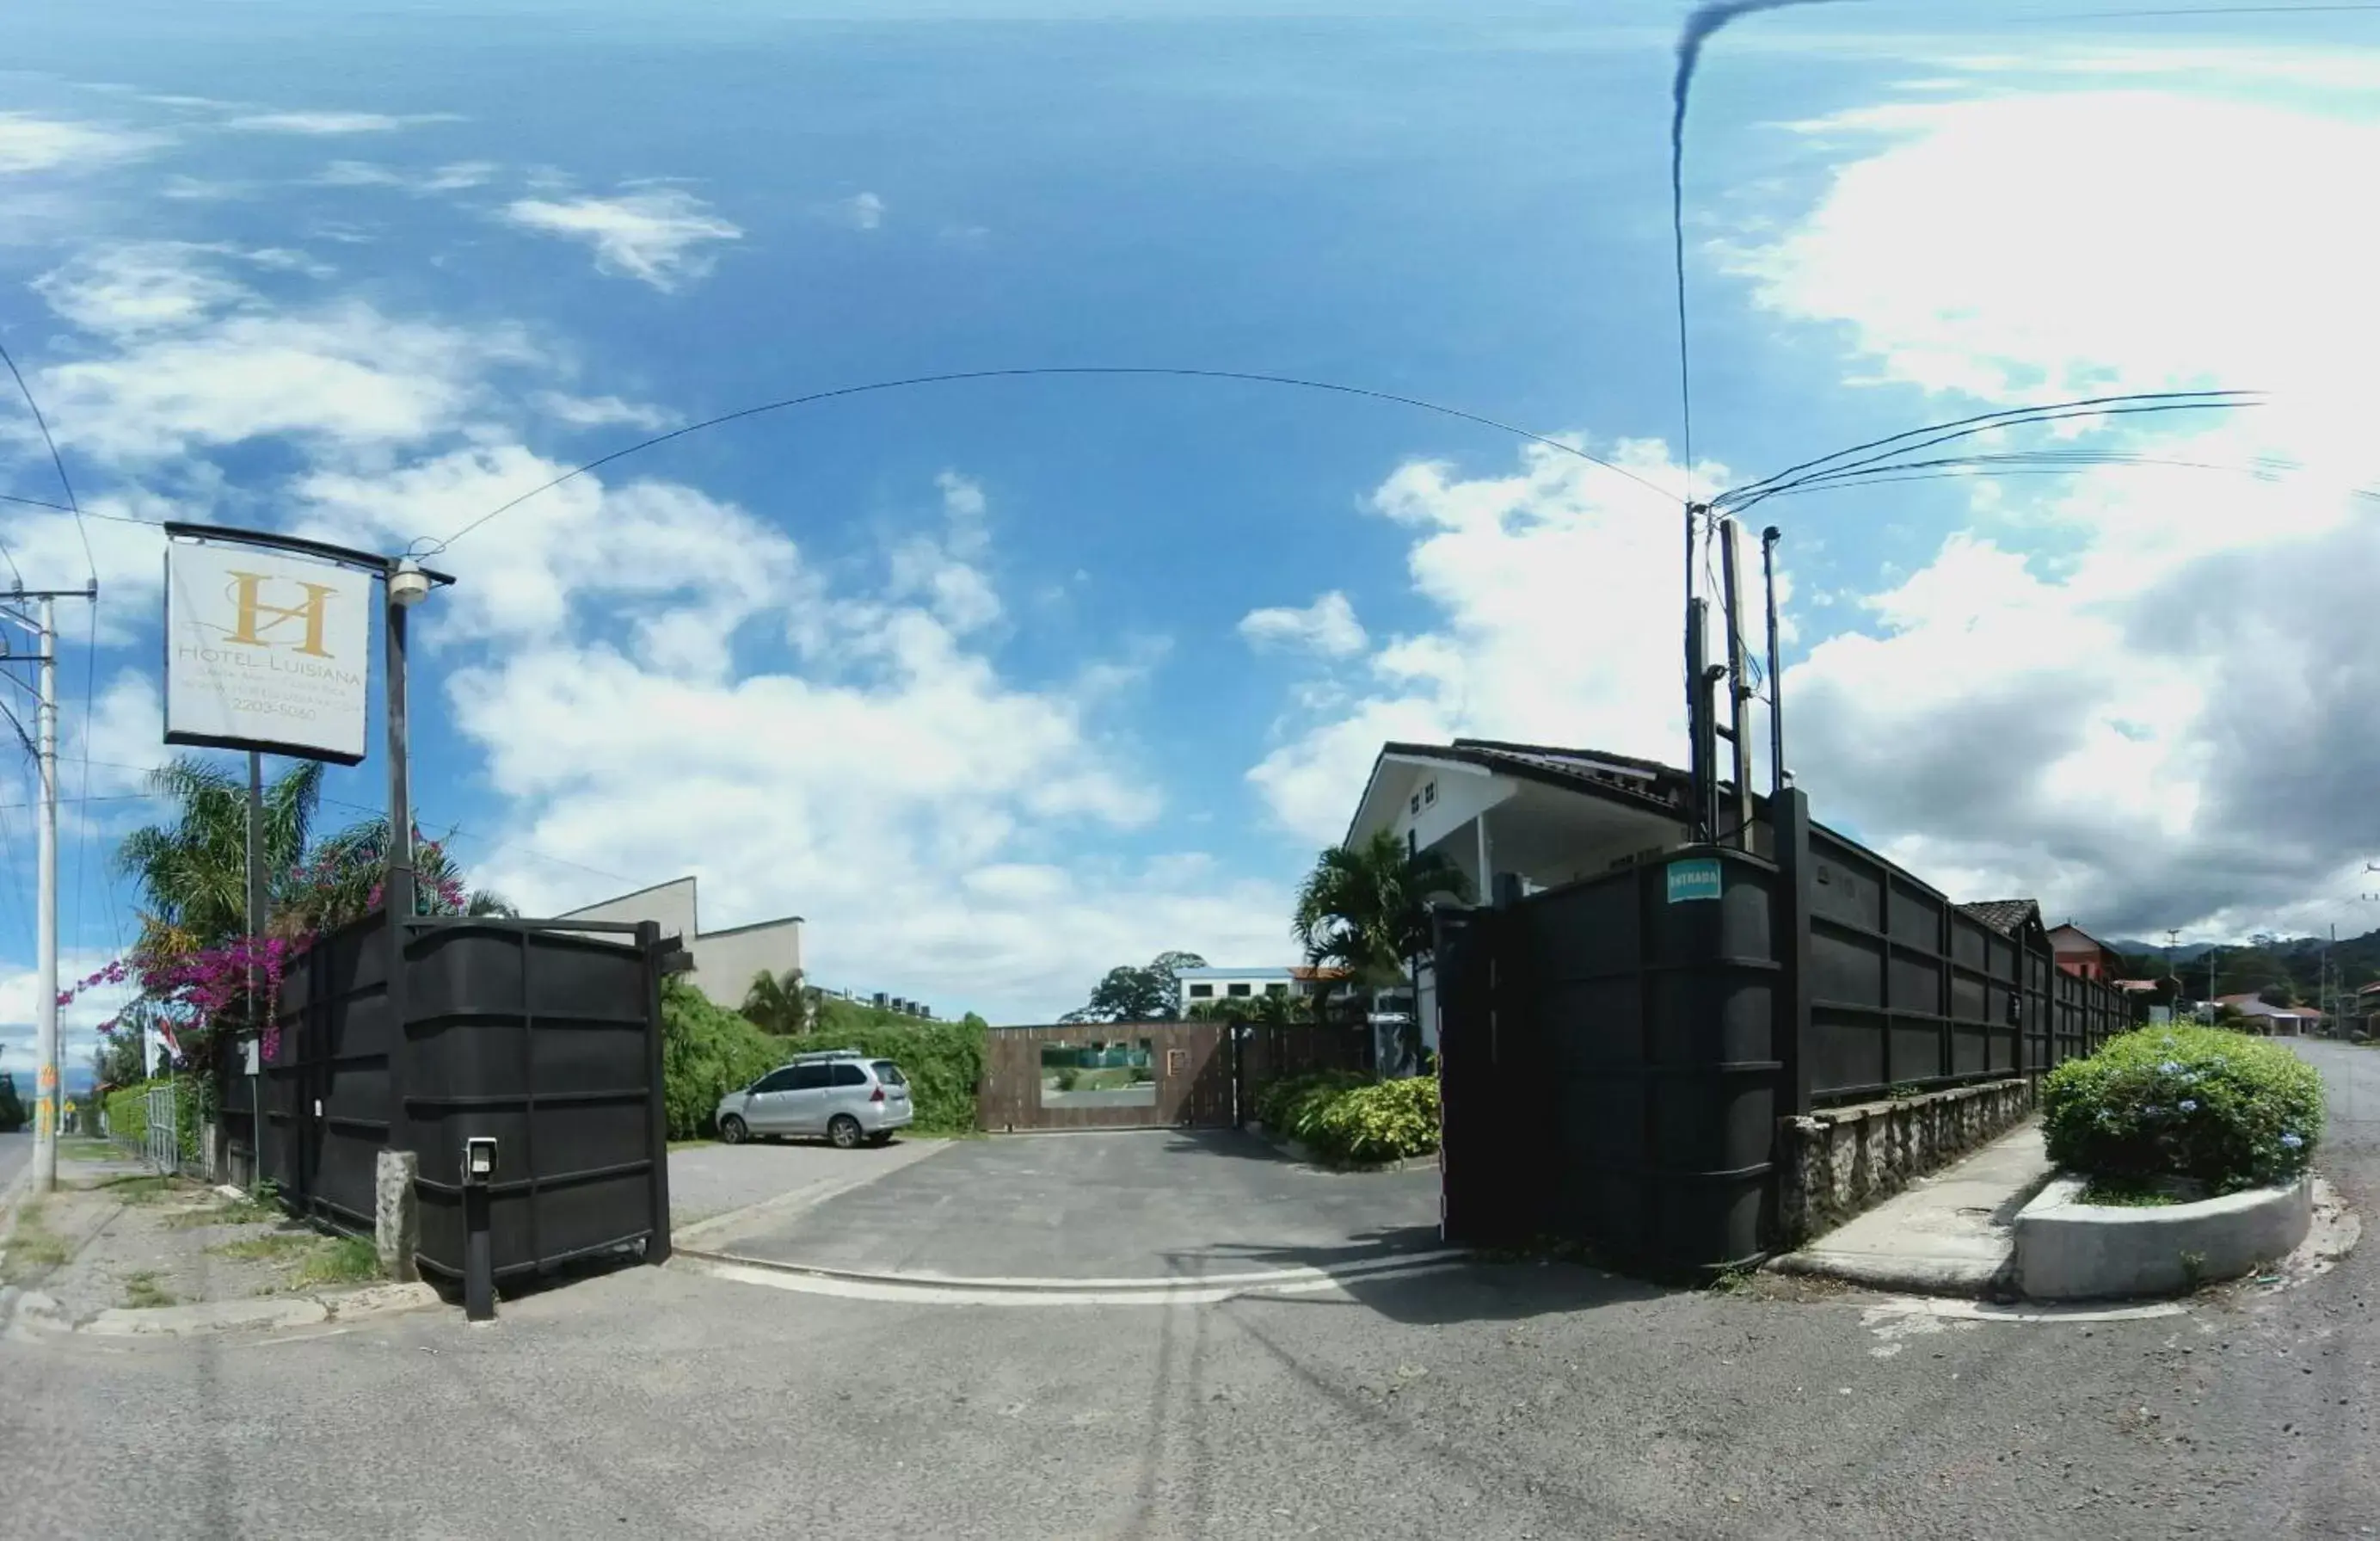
543 1035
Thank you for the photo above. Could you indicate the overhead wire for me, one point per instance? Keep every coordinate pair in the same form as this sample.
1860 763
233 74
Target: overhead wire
428 546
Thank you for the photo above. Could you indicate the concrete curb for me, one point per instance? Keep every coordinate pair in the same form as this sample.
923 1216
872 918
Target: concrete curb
714 1230
1298 1149
2068 1250
1914 1276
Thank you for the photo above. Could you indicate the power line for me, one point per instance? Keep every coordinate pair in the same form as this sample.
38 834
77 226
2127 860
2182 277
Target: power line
57 462
426 546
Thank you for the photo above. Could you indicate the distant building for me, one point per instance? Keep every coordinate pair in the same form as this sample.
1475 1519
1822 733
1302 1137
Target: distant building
724 962
1204 985
2082 954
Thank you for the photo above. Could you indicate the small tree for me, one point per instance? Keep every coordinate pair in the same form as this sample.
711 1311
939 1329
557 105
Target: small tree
1148 994
1366 908
781 1004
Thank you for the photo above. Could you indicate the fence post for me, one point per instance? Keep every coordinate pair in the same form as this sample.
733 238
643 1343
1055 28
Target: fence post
396 1218
1790 813
649 943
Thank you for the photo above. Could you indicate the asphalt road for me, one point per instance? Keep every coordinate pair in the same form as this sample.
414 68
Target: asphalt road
15 1151
1503 1400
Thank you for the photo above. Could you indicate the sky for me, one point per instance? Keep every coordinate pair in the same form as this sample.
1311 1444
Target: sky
1002 683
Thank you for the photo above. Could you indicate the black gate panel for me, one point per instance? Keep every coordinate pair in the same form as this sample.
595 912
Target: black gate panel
547 1039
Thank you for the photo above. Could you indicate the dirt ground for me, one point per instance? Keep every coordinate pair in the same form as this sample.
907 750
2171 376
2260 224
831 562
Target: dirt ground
117 1236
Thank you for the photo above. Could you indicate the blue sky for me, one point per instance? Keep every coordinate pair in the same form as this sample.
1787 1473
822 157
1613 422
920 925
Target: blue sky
1002 683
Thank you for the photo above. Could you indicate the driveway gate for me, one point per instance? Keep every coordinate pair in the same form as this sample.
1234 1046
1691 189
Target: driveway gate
545 1035
162 1145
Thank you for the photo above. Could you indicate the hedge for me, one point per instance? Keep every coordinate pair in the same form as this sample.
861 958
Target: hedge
708 1051
2201 1103
12 1108
1341 1116
128 1113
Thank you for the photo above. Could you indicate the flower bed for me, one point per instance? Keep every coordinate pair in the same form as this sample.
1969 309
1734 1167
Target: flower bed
2201 1104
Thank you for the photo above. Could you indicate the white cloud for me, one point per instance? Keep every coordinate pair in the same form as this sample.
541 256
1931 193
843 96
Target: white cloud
330 124
603 412
29 145
201 360
454 177
861 210
656 237
1545 585
2128 692
1328 627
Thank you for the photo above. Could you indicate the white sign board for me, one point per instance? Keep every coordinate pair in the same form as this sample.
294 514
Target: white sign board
266 651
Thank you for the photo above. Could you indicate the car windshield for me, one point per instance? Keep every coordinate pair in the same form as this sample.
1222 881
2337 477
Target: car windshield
889 1073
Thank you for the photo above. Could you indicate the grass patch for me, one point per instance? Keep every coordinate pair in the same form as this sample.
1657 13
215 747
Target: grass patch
236 1211
2117 1192
343 1260
275 1247
139 1189
33 1249
142 1292
86 1150
1737 1280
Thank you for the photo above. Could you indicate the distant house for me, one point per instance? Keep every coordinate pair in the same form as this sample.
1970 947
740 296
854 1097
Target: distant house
724 962
2268 1018
1201 985
2080 953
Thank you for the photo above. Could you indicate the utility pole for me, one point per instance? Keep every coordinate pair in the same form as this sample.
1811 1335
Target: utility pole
42 625
1739 692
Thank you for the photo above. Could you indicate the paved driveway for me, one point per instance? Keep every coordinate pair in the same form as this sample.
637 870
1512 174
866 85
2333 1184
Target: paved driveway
1151 1203
710 1180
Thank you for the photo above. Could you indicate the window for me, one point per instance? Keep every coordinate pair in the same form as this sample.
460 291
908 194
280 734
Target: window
776 1081
1097 1074
848 1074
1276 989
809 1078
1429 794
1417 802
1202 992
888 1073
1239 989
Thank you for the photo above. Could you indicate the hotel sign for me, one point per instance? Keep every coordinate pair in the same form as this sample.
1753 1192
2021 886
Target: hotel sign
266 651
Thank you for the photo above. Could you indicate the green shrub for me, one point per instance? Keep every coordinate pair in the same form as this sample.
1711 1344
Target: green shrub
708 1051
12 1110
2223 1110
1387 1120
127 1114
1069 1079
1286 1106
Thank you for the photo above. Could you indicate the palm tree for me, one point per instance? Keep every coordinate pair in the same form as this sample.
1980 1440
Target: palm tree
780 1004
341 879
1365 907
193 872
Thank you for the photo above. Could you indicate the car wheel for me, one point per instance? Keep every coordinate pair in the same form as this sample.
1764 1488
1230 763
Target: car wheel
843 1130
732 1129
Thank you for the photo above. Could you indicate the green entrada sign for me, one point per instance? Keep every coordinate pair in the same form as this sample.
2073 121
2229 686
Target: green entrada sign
1695 877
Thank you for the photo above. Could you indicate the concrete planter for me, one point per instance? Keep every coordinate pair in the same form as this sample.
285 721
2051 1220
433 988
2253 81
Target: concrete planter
2068 1250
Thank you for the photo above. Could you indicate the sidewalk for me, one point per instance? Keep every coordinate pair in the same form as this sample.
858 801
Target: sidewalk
1950 1234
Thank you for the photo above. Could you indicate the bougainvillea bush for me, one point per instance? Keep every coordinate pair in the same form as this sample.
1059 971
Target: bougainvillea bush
2211 1105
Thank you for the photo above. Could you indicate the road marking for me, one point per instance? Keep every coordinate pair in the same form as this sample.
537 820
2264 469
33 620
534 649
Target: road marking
1303 1273
916 1291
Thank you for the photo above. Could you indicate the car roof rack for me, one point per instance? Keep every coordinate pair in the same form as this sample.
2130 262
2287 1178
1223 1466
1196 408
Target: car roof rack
819 1056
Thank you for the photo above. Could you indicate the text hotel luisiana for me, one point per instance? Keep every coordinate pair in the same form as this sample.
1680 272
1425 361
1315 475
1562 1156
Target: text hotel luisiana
267 651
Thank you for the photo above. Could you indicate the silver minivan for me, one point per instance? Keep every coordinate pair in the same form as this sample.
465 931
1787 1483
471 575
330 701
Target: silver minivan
841 1094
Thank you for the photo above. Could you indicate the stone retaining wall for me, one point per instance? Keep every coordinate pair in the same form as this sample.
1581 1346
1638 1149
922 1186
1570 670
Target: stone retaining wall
1839 1161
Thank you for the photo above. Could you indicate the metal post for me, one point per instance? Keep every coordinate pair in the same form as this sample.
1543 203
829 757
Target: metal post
1697 723
46 1088
260 1011
1768 539
399 890
649 943
1739 692
479 1255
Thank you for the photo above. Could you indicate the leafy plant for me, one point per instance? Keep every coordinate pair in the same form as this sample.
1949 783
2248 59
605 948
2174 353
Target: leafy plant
341 1260
1386 1120
1286 1106
708 1051
781 1004
142 1292
2225 1109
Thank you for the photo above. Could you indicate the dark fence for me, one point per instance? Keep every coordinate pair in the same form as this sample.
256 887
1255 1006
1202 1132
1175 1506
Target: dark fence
1615 1055
545 1038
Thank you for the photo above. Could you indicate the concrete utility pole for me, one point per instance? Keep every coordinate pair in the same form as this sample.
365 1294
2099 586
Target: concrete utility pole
42 625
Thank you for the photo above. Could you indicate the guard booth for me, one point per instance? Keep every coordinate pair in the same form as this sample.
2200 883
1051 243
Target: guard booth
543 1036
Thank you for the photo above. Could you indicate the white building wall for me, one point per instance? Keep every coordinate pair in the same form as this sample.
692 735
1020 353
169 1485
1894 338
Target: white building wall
724 962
